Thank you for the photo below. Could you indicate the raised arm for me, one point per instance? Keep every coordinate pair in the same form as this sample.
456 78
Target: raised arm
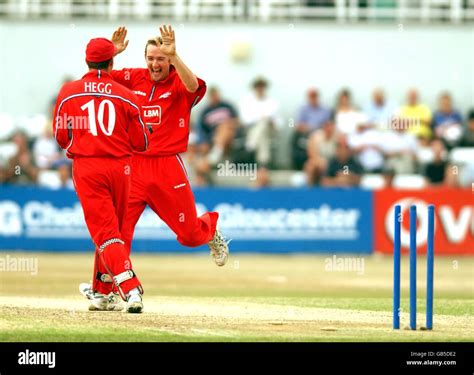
168 47
118 39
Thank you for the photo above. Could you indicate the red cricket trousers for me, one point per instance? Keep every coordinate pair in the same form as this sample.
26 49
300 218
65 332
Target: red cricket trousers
103 187
161 182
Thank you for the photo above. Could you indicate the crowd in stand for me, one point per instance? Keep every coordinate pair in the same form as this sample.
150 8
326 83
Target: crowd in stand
329 146
337 146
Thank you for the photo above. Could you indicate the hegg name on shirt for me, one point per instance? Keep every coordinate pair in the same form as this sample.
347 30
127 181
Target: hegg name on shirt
98 87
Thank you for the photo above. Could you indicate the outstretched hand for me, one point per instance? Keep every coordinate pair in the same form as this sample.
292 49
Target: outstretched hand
118 39
168 44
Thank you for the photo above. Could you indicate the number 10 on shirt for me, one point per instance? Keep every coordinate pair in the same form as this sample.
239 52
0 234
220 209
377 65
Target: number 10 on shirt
90 107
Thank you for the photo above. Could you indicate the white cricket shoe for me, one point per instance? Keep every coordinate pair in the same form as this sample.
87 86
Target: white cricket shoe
99 301
114 302
134 303
219 247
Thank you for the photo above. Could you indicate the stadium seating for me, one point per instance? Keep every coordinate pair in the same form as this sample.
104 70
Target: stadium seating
409 181
49 178
462 155
372 182
425 155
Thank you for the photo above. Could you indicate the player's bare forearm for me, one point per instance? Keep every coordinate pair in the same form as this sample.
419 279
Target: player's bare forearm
168 47
185 74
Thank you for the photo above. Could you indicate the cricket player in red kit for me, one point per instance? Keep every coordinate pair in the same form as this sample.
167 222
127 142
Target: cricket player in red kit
167 91
98 123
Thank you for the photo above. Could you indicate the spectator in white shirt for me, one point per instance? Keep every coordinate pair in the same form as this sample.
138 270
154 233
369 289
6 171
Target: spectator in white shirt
400 147
45 149
260 116
367 145
347 116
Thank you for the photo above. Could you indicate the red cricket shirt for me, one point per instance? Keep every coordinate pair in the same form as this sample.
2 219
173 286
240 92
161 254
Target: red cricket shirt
96 116
166 108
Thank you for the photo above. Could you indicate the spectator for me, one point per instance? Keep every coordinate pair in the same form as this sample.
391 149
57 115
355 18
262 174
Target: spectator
424 136
64 170
417 115
437 172
21 168
343 170
447 122
197 165
47 155
467 139
218 125
311 116
380 112
367 145
347 117
45 149
260 116
400 148
263 178
321 148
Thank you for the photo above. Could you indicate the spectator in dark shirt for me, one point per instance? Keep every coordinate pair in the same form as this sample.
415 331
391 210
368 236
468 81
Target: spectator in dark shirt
437 172
467 139
218 125
343 169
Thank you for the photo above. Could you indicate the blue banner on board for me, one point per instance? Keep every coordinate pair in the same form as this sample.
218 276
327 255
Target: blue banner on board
266 220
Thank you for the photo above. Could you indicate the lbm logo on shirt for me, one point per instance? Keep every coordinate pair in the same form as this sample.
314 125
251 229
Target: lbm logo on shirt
152 114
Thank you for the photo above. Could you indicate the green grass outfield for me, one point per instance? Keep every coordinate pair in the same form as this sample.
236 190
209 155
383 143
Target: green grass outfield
252 298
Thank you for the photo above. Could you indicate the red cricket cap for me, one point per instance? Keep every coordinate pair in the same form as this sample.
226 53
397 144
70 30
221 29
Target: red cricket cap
99 49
